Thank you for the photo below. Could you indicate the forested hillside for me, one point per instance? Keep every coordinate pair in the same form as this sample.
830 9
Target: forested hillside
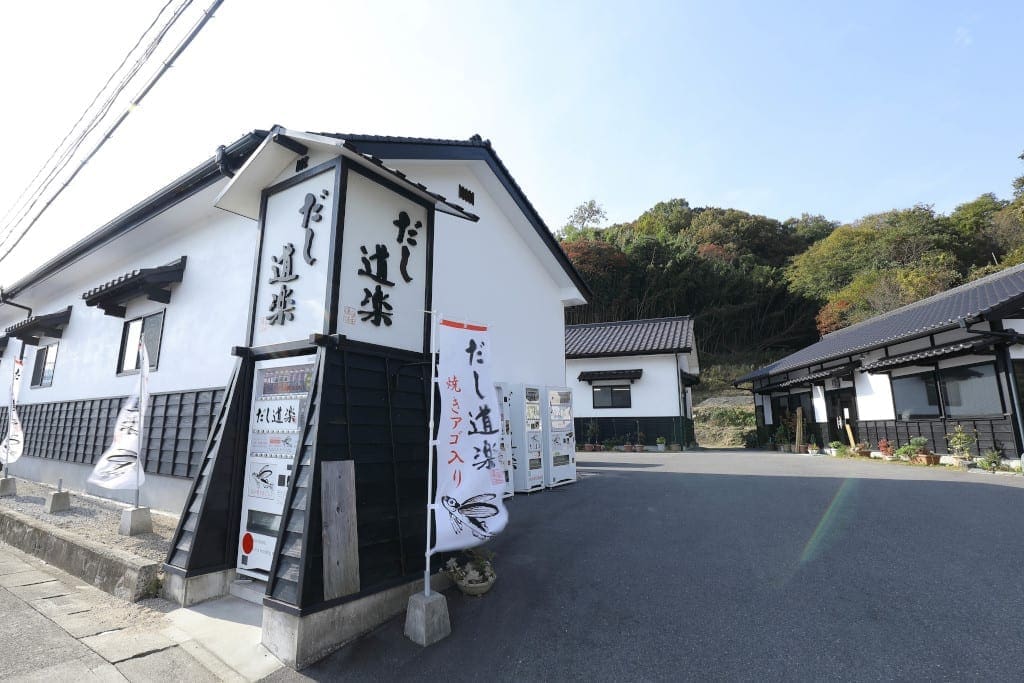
759 286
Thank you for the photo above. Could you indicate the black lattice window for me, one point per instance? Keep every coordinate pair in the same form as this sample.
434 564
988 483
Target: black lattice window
178 425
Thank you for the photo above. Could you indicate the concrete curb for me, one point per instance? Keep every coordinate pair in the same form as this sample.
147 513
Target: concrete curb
121 574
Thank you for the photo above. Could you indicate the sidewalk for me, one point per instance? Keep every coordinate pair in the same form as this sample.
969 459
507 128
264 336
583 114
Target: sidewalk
55 627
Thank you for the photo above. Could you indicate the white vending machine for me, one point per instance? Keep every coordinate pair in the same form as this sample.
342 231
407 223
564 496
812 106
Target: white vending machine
280 396
505 442
559 437
522 406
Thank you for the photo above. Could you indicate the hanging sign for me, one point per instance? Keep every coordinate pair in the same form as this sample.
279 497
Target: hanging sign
468 504
383 267
291 292
13 445
119 466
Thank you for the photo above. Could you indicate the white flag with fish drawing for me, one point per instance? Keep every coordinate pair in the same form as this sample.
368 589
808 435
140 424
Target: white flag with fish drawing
14 442
119 466
468 508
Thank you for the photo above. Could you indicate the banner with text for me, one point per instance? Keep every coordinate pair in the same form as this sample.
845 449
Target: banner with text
14 443
119 466
470 478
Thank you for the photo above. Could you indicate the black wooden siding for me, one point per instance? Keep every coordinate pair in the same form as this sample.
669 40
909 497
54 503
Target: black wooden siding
373 406
177 427
994 432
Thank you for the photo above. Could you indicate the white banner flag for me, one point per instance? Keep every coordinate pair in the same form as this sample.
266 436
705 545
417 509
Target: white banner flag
14 443
118 467
470 478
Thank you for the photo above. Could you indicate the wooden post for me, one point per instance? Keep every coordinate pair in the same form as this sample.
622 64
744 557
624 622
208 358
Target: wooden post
340 533
849 435
799 428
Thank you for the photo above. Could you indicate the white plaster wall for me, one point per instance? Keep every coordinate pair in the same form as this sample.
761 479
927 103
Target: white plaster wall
874 397
818 403
485 272
655 394
207 314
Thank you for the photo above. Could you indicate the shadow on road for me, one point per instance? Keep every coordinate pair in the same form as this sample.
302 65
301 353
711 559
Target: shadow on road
659 575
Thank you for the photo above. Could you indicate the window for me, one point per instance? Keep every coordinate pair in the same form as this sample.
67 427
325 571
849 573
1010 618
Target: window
915 396
969 390
150 326
616 396
42 371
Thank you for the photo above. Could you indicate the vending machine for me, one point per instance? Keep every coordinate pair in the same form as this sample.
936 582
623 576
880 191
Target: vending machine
559 438
505 444
522 406
280 397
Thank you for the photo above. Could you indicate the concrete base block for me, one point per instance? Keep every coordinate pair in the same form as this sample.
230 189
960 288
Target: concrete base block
299 641
426 619
191 590
8 486
58 501
135 521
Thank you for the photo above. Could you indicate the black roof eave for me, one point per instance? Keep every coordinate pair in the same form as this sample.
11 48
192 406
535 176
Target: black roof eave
611 354
199 178
473 151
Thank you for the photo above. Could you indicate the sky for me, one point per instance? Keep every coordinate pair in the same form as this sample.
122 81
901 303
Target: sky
780 108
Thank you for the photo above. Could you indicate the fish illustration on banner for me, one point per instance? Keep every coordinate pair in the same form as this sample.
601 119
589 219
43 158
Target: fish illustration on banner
14 443
468 504
118 467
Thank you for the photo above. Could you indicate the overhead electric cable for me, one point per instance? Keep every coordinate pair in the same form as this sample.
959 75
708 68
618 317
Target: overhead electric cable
168 63
88 107
66 156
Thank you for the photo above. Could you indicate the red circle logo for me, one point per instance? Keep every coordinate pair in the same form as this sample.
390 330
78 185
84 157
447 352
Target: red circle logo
247 543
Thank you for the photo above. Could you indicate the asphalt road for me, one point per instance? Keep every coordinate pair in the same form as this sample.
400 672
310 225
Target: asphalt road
734 566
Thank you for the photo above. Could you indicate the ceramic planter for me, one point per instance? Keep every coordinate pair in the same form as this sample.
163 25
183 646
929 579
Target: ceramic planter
475 588
675 448
926 459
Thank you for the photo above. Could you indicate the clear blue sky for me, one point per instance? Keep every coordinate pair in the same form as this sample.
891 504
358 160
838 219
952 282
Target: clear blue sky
777 108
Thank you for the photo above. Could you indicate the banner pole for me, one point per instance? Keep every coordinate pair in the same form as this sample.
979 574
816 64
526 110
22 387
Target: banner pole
430 449
142 421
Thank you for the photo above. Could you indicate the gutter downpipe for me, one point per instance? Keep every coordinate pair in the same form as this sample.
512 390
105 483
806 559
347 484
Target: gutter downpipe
1011 379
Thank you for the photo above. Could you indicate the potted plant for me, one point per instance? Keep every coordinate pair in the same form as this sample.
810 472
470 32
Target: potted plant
607 444
991 460
661 441
922 455
627 443
905 452
641 440
476 575
593 435
782 438
863 449
833 447
812 447
886 449
675 447
960 443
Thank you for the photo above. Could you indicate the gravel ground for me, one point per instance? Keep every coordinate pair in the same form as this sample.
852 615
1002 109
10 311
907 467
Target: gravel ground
94 519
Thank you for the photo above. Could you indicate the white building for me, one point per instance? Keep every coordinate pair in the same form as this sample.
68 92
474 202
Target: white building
633 377
266 252
951 359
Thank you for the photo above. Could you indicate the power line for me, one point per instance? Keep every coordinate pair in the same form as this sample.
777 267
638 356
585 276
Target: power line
168 63
67 155
110 79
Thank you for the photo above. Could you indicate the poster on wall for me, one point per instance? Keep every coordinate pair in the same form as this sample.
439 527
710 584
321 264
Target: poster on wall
291 292
468 504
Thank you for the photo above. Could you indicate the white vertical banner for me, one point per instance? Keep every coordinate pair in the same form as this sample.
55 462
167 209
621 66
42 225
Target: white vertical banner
119 467
14 442
468 506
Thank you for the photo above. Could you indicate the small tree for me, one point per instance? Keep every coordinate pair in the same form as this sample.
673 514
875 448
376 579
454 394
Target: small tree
589 214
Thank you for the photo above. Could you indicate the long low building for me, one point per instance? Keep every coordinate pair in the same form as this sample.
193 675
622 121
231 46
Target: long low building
955 358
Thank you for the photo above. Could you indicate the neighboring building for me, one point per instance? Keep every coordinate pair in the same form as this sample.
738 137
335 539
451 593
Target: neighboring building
951 359
633 376
251 262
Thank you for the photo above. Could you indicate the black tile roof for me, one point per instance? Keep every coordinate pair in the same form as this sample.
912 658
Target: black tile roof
993 295
629 337
930 354
592 375
48 325
153 282
399 147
